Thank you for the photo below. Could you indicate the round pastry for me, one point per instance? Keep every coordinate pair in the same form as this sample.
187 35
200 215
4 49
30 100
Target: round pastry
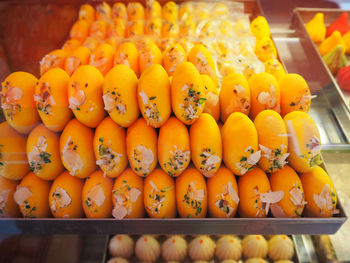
201 248
174 248
54 59
170 11
274 67
206 145
70 45
254 194
159 195
51 99
280 248
187 93
141 147
174 147
87 13
154 95
135 11
78 57
13 158
273 140
98 30
85 95
121 246
128 196
127 54
147 249
228 247
91 43
31 196
293 201
254 246
153 9
17 101
8 206
295 94
191 194
149 54
222 194
103 12
79 30
255 260
240 143
97 195
76 148
120 95
119 11
201 57
265 93
102 58
110 148
65 196
212 105
319 192
43 152
304 141
117 260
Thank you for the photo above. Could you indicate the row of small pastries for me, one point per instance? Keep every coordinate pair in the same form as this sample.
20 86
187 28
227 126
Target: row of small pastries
202 248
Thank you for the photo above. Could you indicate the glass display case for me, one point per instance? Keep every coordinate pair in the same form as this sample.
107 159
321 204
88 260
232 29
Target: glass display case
34 39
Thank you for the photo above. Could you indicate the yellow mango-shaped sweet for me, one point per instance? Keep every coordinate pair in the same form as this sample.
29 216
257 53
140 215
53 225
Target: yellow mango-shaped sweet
141 147
265 49
8 206
304 143
51 98
174 147
98 30
135 11
273 140
170 29
13 158
79 30
54 59
251 186
65 197
153 95
274 67
316 28
170 11
120 95
201 57
223 194
87 13
153 9
187 93
295 94
331 42
264 93
172 57
102 58
149 54
293 201
43 152
76 148
240 143
17 101
103 11
128 196
260 27
91 43
154 27
79 56
234 95
191 194
135 28
187 27
319 192
85 95
212 105
127 54
70 45
97 195
31 196
159 195
119 11
206 145
110 148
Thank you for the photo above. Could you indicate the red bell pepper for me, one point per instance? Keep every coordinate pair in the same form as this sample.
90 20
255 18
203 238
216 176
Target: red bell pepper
344 78
341 24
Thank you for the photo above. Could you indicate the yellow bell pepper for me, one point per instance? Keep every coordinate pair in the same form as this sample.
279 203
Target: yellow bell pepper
331 42
316 28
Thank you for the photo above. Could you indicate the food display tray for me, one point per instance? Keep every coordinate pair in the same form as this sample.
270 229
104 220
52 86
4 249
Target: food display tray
215 226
